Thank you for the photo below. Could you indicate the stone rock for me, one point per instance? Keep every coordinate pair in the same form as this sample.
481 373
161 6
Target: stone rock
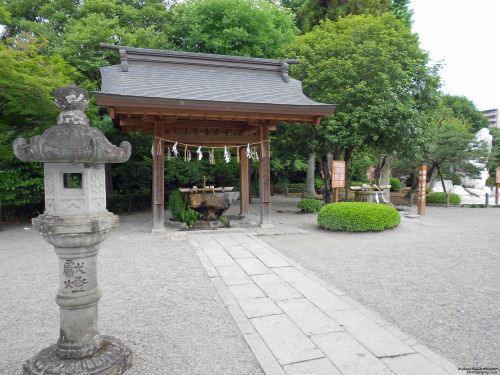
211 206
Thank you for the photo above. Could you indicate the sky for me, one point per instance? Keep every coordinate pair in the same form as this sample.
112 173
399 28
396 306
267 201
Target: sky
465 36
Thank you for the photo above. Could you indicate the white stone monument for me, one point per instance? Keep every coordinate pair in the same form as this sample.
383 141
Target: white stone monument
75 222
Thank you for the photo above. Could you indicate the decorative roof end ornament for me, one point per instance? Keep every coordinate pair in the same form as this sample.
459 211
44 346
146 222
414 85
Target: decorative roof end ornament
285 68
123 60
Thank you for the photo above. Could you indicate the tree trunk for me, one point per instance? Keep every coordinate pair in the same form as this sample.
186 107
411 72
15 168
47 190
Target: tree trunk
347 158
442 178
385 176
310 191
326 165
433 173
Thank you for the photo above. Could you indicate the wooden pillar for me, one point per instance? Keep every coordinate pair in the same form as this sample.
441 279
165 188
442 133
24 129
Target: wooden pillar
158 178
422 181
244 182
264 177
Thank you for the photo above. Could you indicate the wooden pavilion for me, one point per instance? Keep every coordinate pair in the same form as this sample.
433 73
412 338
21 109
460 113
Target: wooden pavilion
204 100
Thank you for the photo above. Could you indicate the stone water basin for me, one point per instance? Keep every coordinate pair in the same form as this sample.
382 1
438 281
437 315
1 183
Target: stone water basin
211 202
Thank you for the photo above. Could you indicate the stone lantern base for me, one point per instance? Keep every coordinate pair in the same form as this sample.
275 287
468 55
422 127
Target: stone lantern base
113 358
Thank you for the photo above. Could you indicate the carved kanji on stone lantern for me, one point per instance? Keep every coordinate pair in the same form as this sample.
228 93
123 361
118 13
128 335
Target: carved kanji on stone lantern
75 222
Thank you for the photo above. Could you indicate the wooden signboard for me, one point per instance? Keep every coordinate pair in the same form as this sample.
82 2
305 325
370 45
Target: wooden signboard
338 174
422 181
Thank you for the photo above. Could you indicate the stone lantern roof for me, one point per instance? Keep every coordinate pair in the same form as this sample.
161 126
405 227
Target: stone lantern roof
72 140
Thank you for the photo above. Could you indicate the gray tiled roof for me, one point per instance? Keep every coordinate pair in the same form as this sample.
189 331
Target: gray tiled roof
179 82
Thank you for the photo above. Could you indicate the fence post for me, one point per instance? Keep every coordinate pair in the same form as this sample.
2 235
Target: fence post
286 190
411 200
487 200
447 200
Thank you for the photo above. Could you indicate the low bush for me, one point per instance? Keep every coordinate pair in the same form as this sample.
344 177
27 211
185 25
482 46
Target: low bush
309 205
395 184
128 202
178 206
318 183
440 198
358 216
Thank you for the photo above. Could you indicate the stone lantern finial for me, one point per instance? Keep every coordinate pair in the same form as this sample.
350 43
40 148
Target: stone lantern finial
75 222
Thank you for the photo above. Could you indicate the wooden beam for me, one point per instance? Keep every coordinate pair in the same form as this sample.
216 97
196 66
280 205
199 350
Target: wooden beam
244 182
245 116
264 177
158 178
210 140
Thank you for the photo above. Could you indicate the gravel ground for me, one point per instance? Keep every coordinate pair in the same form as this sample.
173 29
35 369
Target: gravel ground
436 278
157 299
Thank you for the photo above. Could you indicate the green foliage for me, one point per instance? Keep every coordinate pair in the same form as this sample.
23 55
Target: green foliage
254 28
395 184
318 183
440 198
400 9
358 216
309 205
178 206
373 68
28 81
315 11
466 111
452 150
128 203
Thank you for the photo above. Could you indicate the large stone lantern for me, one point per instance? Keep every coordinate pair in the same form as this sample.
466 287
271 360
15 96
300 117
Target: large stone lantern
75 222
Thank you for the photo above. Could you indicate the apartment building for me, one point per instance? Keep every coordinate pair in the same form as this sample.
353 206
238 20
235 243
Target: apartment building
492 115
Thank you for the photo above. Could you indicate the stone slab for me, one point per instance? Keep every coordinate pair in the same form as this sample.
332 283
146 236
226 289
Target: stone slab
378 340
218 257
239 252
436 359
258 307
349 356
275 287
291 274
266 359
253 266
257 248
246 291
413 364
241 319
285 340
243 239
315 367
321 297
308 317
233 275
224 292
225 240
207 264
272 260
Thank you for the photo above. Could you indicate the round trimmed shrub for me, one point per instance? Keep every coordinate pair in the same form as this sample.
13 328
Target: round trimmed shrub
440 198
358 216
395 184
309 205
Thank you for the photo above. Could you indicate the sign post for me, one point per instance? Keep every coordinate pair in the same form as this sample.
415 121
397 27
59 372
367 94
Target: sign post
497 180
422 180
338 178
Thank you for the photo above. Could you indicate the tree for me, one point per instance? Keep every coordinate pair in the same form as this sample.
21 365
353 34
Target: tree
466 110
400 9
255 28
451 152
315 11
74 29
373 68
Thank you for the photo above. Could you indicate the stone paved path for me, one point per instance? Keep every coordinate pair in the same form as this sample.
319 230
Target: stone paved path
295 323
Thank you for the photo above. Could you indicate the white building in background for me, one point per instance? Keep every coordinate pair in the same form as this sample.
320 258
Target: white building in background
492 115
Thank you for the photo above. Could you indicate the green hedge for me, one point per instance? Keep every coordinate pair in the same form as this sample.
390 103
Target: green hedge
128 203
358 216
395 184
309 205
12 213
440 198
178 206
